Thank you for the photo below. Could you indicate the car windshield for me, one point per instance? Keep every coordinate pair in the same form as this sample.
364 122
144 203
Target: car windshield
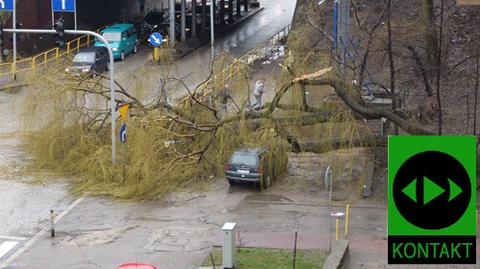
112 36
245 159
84 58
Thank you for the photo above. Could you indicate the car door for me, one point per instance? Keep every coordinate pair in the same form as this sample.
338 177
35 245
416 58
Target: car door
124 43
103 59
98 61
132 37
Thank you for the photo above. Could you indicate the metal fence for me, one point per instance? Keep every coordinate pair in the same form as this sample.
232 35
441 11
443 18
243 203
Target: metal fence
234 70
42 60
53 56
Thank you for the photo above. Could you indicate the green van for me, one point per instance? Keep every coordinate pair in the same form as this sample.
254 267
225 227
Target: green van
122 38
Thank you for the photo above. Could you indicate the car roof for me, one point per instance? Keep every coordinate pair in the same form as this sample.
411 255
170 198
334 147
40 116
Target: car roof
119 27
252 151
91 49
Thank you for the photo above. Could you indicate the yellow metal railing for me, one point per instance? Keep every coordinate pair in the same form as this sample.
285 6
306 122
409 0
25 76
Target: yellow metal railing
45 58
234 69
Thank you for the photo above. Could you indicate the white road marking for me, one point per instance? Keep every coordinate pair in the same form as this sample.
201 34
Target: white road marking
16 238
6 246
41 233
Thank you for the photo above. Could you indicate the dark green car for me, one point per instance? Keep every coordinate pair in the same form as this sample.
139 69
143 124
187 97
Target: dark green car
259 166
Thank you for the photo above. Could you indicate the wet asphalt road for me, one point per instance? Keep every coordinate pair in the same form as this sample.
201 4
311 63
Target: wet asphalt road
194 67
22 204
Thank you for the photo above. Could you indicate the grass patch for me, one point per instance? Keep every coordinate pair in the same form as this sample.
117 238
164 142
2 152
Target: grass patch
262 258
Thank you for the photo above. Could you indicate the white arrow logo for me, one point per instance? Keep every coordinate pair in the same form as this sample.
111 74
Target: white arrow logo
2 3
155 39
64 4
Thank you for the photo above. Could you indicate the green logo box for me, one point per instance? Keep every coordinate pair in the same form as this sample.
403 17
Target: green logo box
432 200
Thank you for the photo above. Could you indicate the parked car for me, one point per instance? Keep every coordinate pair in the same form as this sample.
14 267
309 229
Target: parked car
89 61
259 166
136 266
122 38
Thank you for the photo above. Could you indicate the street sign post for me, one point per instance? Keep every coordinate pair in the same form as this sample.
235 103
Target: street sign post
6 5
329 184
123 133
123 140
65 6
123 110
156 40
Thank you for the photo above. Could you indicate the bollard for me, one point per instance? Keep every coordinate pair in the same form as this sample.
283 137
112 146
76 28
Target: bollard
346 221
52 223
229 245
156 55
337 222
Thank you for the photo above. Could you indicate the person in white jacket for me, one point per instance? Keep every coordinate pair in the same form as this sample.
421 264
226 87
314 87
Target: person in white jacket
258 92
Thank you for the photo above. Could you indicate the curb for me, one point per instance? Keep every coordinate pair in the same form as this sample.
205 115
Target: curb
337 256
13 87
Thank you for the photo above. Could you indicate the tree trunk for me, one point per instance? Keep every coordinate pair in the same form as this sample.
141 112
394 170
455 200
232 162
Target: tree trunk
391 61
439 69
430 35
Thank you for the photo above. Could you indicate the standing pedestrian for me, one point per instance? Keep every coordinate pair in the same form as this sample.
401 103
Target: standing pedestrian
258 92
223 97
142 7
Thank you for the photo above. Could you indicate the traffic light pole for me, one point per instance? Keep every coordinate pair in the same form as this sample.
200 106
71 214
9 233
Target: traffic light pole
111 67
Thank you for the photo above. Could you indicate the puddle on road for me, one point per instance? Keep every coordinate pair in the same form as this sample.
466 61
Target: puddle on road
267 198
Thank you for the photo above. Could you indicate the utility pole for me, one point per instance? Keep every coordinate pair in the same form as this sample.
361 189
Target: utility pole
111 67
183 17
1 41
172 23
212 31
194 18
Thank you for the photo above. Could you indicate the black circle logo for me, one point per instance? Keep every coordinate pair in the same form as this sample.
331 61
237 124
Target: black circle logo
432 190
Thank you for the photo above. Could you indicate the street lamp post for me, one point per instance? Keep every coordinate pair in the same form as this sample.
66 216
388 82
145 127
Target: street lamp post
212 31
111 68
14 37
329 184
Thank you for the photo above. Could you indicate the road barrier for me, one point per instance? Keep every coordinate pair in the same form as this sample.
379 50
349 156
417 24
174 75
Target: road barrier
264 51
45 58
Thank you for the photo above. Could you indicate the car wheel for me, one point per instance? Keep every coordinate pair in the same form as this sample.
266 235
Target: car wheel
135 49
122 56
231 182
107 68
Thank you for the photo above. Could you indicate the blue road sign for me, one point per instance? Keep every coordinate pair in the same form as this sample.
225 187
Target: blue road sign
6 5
63 5
123 133
156 39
